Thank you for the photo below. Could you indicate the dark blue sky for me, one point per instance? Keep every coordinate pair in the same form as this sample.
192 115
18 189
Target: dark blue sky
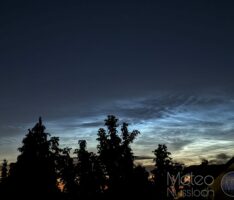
165 66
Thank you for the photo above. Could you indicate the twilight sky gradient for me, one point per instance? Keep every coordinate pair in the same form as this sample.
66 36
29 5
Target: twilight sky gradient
166 67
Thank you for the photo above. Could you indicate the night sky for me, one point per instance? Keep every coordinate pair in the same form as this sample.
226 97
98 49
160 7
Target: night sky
166 67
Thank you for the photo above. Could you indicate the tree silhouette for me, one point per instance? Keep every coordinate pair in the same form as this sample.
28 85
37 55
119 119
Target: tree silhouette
164 166
4 170
67 172
204 162
140 184
127 158
4 178
90 175
116 154
35 170
110 173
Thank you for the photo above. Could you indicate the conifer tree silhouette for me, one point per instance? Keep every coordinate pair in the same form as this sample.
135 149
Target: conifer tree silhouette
34 173
163 166
4 178
165 172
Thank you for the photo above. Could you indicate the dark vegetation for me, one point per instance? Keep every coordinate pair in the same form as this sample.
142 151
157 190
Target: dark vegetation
43 169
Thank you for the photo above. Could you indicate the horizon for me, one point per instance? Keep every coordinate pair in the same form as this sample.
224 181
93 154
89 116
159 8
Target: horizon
145 159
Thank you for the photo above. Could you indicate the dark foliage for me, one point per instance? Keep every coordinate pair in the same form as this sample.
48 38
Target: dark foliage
4 170
116 155
44 170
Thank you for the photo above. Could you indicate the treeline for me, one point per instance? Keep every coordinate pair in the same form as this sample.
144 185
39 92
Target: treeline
43 169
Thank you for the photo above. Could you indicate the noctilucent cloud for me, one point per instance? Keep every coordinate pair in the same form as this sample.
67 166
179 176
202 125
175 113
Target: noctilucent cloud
165 67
